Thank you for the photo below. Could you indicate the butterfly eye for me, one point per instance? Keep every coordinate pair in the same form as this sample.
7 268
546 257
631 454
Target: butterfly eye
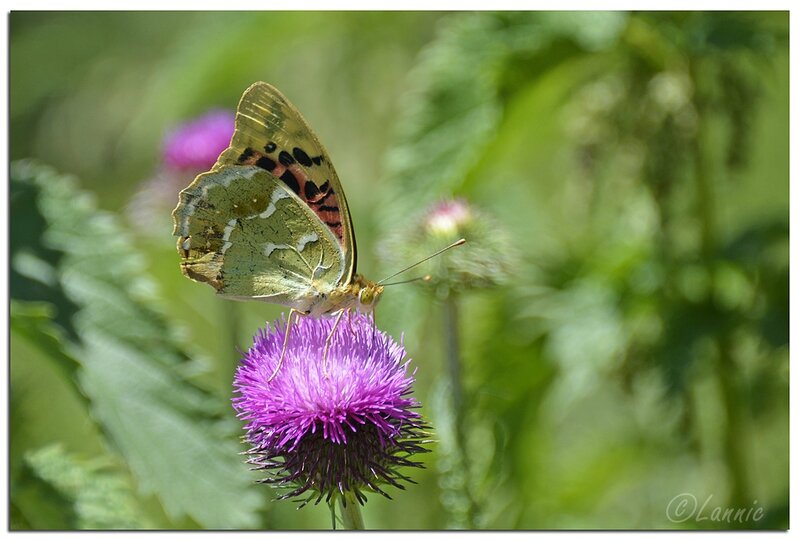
365 296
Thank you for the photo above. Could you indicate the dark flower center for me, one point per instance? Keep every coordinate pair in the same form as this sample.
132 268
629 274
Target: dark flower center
324 467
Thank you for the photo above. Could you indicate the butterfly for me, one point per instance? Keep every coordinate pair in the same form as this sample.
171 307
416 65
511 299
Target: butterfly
270 220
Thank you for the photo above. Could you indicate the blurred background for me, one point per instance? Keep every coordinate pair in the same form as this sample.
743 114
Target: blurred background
630 345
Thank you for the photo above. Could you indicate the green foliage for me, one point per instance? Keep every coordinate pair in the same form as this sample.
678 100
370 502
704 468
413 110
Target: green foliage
130 359
627 283
101 496
638 349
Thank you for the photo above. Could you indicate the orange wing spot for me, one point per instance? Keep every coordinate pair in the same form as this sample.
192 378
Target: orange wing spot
323 203
279 170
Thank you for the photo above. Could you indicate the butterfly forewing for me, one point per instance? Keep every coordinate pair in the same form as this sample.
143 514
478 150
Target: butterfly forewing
272 135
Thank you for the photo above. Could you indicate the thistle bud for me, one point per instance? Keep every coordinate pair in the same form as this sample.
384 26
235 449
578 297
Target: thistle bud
485 260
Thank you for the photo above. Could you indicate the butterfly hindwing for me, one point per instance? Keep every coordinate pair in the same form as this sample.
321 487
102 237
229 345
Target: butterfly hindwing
272 134
248 235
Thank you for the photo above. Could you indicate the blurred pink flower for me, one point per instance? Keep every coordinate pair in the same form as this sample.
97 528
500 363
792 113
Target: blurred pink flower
190 149
447 217
198 143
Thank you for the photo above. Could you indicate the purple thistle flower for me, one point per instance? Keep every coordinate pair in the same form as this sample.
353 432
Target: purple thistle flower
196 145
343 427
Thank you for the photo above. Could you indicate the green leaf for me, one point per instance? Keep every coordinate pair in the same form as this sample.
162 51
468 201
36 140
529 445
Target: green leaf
455 104
43 372
99 493
33 320
177 439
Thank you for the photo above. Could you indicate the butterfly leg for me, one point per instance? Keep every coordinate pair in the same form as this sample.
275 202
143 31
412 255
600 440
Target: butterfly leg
292 312
374 325
328 344
350 322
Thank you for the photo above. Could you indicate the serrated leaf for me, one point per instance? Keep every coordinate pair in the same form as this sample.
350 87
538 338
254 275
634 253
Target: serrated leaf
100 494
34 321
130 358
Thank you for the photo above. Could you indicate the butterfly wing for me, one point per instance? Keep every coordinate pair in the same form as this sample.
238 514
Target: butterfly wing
272 134
248 235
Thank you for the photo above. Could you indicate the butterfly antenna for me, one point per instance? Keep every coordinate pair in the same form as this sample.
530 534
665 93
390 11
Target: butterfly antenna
454 244
421 278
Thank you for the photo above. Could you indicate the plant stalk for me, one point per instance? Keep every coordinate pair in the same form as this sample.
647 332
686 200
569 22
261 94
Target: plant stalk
351 512
232 323
453 354
733 440
452 343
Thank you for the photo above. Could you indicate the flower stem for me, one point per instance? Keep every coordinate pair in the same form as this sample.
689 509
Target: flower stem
453 353
452 337
232 321
734 450
351 512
